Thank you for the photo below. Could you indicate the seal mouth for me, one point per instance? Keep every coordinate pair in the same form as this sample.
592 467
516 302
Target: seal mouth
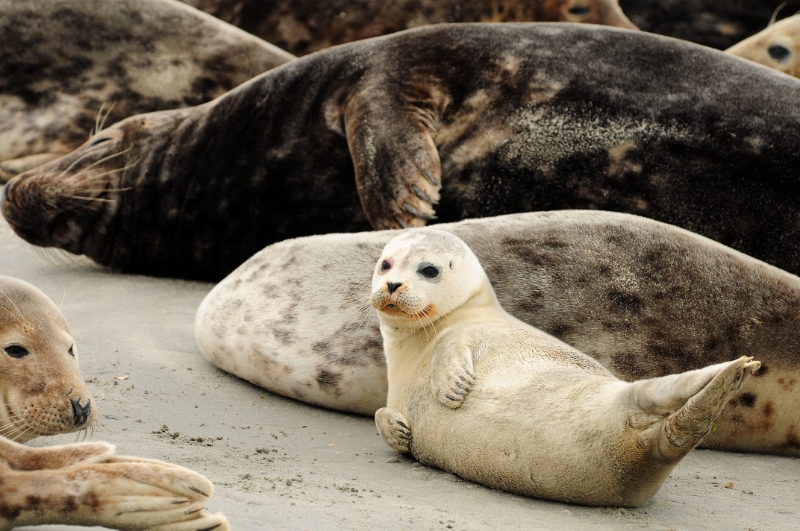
428 312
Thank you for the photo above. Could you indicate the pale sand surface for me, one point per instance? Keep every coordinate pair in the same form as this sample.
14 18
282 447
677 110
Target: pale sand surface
280 464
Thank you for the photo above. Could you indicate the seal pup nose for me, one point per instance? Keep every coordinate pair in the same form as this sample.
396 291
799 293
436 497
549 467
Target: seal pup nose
392 286
80 413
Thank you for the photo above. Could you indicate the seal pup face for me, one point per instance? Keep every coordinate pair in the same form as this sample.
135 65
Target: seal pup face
42 391
422 276
777 47
70 202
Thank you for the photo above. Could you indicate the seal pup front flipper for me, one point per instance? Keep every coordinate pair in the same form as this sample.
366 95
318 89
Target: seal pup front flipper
688 403
397 166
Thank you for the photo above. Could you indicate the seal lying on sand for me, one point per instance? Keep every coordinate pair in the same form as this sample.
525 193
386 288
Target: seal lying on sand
708 22
42 393
643 298
483 119
68 66
481 394
85 484
777 47
306 26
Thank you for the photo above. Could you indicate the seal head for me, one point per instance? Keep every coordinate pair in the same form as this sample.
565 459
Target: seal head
42 391
777 47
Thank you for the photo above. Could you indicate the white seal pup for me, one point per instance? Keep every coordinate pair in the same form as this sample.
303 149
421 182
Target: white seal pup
643 298
481 394
42 391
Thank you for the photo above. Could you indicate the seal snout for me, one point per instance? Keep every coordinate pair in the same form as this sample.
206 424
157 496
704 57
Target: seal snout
80 414
393 286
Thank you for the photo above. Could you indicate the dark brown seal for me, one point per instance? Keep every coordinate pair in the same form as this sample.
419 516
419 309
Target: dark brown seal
643 298
68 67
484 119
305 26
708 22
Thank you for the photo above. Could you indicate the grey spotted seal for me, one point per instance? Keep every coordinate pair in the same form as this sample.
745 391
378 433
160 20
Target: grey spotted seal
707 22
306 26
644 298
68 66
481 394
86 484
42 391
777 47
435 124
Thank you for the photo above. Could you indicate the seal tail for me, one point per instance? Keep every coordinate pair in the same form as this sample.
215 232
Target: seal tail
695 399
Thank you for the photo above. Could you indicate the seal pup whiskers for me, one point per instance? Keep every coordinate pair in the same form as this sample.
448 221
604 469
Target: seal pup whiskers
481 394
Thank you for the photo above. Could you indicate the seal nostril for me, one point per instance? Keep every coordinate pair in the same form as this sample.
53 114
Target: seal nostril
392 286
80 414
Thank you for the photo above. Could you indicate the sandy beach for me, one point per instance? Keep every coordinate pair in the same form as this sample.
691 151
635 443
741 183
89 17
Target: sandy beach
281 464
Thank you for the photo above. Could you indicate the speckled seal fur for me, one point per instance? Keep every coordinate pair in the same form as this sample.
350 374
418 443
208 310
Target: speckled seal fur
67 65
42 391
305 26
708 22
777 47
440 123
86 484
643 298
481 394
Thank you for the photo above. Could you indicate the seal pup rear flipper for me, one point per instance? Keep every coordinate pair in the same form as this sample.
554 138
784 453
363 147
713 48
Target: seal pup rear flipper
688 403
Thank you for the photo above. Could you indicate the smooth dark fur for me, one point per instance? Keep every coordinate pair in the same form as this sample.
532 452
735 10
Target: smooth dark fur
510 118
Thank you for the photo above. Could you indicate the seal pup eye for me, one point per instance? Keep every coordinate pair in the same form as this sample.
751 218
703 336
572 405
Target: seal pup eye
579 10
99 141
386 265
72 351
428 271
16 351
779 52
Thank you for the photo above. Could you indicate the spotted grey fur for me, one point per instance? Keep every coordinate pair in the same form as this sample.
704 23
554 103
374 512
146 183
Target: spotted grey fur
304 26
63 63
440 123
644 298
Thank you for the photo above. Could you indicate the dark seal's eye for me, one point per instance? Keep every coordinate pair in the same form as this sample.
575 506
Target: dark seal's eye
16 351
579 10
428 271
99 141
72 351
385 266
779 52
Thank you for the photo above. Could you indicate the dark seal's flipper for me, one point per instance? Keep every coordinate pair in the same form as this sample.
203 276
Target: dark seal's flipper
383 128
